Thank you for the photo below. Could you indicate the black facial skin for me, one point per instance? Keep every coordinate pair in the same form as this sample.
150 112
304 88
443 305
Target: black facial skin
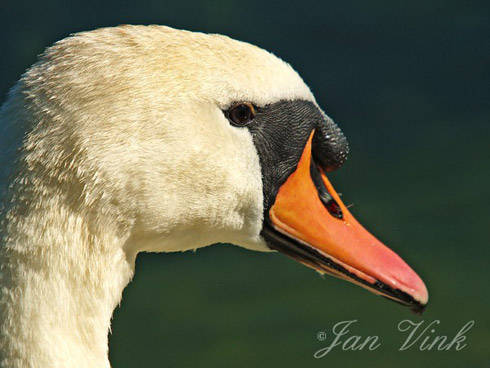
280 132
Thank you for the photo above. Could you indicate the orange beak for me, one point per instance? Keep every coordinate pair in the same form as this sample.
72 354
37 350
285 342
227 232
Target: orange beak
309 223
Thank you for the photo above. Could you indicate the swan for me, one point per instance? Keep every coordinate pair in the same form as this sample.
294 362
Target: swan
151 139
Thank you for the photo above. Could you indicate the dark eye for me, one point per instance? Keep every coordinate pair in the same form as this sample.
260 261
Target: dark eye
241 114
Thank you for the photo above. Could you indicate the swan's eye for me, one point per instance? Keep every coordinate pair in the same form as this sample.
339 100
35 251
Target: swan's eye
241 114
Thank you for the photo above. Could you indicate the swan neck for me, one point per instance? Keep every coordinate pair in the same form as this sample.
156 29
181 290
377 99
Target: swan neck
61 278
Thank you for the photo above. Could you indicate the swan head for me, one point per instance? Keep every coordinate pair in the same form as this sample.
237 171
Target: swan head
187 139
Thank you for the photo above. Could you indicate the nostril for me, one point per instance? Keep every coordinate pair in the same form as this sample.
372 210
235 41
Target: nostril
334 209
330 204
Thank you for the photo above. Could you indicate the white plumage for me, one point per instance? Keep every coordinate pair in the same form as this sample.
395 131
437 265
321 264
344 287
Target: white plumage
127 150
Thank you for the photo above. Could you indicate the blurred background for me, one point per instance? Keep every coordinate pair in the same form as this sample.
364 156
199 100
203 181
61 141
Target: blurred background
408 82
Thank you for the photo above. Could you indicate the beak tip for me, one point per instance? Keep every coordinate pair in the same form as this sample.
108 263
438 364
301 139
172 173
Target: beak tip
418 291
422 294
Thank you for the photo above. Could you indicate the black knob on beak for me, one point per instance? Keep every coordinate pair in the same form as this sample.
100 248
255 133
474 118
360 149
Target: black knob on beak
330 147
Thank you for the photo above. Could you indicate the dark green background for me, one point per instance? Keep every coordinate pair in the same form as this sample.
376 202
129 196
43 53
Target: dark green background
409 84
